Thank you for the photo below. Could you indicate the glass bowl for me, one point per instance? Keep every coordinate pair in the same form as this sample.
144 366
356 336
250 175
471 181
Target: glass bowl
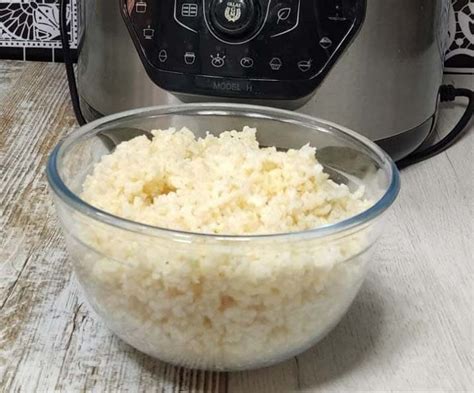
212 301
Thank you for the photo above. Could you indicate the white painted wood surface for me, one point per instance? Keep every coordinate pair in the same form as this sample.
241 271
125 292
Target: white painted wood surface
410 328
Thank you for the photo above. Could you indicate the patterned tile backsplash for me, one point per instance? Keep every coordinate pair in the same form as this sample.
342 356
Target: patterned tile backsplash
29 30
460 54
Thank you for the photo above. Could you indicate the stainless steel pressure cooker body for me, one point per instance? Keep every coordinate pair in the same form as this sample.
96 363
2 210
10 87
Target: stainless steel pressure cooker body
372 65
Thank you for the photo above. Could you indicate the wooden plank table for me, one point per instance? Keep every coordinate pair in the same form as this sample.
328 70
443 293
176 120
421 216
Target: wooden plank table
410 328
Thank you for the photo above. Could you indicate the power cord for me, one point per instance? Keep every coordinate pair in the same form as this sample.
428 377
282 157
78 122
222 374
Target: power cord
448 93
71 78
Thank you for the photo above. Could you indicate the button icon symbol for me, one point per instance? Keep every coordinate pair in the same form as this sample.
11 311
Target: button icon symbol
148 33
163 56
140 7
304 65
283 14
233 11
338 14
189 10
325 42
217 61
275 63
246 62
189 58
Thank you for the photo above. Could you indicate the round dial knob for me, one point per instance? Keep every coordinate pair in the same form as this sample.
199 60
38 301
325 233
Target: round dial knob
233 18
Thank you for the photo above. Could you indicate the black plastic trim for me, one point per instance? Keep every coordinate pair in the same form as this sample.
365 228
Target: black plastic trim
237 87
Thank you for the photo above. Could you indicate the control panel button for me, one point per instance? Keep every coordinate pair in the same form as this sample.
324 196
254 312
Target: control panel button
218 60
275 64
141 7
305 65
189 58
325 42
187 14
163 56
336 11
148 33
233 18
284 17
246 62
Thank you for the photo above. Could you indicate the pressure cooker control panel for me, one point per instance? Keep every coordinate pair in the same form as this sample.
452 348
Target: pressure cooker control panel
260 49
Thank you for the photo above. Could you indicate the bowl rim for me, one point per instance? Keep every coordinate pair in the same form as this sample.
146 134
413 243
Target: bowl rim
209 108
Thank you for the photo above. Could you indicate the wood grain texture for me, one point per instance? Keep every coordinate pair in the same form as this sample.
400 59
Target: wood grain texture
410 328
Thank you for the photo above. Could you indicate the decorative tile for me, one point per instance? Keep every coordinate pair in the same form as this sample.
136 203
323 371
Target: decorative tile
460 55
30 29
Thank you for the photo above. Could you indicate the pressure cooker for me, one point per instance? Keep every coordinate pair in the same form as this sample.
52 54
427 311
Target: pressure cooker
375 66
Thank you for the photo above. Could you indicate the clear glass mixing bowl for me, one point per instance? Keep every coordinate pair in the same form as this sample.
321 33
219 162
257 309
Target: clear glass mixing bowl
220 302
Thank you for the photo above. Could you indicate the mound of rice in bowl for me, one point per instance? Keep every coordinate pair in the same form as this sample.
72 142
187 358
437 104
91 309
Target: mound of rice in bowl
208 300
